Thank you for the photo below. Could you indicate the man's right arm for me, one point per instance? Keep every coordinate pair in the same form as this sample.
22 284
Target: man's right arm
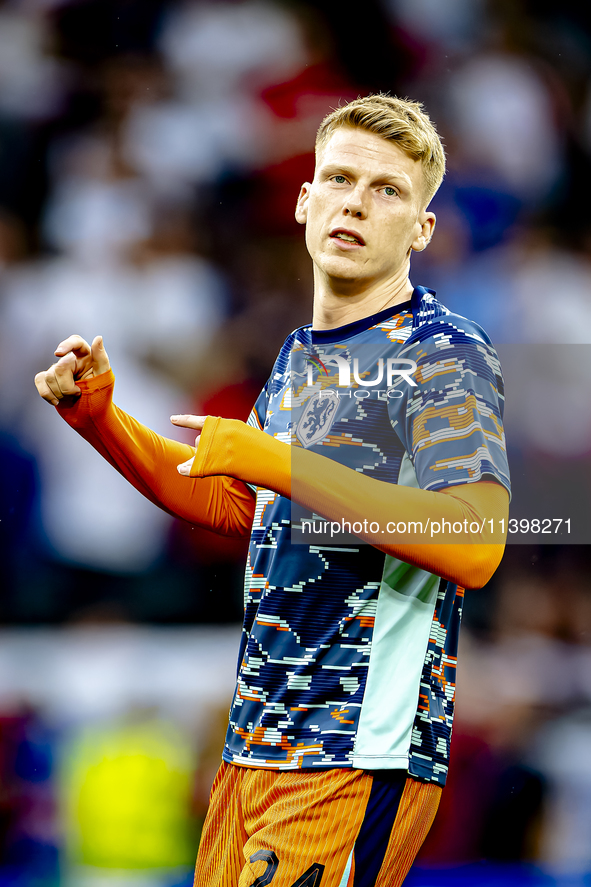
81 385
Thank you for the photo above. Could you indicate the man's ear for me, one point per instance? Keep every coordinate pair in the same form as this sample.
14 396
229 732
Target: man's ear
301 212
427 222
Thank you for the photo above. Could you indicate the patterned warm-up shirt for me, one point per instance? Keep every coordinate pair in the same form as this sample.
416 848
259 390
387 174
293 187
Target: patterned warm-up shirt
348 655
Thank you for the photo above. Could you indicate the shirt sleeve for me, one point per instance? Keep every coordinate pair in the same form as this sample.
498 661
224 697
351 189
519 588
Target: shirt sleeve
451 421
227 446
149 462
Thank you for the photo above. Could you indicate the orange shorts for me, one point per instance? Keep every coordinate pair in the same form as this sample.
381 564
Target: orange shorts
326 828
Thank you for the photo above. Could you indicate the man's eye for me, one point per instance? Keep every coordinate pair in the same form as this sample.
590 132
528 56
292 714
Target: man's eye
389 191
340 180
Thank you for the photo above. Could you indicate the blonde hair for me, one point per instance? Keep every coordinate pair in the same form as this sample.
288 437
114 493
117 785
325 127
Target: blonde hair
398 120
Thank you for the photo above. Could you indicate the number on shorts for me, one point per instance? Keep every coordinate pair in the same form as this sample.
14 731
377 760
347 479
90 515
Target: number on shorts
272 862
311 877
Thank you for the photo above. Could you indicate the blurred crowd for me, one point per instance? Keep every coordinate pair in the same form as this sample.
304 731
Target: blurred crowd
151 152
109 741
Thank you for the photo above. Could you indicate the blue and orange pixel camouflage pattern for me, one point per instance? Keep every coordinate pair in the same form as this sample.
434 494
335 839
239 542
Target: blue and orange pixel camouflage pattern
348 656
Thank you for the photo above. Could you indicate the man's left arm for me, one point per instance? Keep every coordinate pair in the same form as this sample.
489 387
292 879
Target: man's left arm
450 424
468 558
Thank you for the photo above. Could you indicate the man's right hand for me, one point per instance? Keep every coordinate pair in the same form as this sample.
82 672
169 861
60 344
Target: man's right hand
77 361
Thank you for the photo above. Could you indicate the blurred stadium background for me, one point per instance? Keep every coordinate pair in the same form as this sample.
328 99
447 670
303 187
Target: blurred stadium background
151 152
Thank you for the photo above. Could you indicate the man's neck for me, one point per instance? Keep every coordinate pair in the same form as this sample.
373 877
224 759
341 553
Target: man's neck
336 306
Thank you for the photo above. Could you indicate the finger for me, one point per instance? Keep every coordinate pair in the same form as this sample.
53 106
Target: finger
73 343
185 468
100 358
63 373
52 383
44 390
195 422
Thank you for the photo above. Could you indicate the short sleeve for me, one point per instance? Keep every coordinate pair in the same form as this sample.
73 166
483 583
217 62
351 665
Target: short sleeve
259 411
451 420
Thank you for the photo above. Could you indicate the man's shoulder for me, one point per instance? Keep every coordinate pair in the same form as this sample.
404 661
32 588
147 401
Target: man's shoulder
454 327
301 336
297 340
432 320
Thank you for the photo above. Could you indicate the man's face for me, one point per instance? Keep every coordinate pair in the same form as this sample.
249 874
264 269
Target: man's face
364 210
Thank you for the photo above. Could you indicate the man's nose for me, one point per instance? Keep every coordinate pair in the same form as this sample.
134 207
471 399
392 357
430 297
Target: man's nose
355 204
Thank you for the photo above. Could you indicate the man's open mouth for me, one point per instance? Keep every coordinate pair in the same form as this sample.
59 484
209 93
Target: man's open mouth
347 236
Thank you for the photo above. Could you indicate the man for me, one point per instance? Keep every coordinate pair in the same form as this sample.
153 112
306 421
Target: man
338 742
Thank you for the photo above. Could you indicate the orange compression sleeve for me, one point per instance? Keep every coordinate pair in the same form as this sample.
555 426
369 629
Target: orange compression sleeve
468 558
149 462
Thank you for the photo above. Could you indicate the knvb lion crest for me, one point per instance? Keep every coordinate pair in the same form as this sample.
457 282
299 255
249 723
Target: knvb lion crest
317 418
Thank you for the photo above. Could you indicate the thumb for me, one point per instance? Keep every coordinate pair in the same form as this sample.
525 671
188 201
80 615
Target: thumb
100 358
